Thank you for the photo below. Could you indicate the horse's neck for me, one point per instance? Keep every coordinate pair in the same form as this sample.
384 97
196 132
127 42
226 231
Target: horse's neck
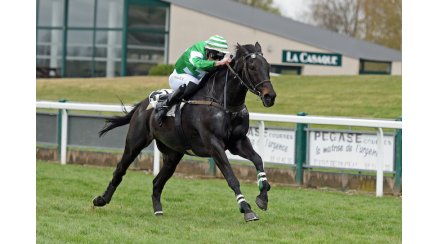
214 89
235 93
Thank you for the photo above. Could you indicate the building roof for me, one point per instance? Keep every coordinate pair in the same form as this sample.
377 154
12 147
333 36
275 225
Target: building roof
290 29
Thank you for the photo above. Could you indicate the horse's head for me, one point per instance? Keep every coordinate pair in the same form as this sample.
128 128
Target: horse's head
254 70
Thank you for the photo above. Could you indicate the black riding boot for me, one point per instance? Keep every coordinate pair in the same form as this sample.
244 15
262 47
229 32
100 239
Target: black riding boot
183 92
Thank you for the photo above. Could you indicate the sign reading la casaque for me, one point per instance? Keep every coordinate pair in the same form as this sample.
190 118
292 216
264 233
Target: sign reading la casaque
300 57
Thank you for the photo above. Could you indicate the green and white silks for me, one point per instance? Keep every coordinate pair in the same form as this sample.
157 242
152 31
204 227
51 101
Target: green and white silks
194 61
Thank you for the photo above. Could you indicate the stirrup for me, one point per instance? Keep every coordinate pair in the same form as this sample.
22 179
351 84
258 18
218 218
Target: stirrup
161 106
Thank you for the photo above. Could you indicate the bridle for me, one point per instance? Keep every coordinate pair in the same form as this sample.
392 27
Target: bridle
244 80
245 74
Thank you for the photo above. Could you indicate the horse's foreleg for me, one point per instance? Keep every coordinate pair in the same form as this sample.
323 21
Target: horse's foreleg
170 161
244 149
219 156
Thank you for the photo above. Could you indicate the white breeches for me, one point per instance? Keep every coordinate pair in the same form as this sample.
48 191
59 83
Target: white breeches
177 80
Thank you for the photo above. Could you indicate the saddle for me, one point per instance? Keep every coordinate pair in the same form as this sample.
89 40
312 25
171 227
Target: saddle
159 96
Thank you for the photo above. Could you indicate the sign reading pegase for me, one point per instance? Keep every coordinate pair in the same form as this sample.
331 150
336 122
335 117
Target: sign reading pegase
301 57
348 150
278 145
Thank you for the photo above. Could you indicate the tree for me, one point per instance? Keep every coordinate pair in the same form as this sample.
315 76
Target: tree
377 21
383 22
342 16
265 5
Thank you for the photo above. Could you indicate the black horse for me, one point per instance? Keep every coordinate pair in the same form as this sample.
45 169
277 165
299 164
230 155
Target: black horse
213 121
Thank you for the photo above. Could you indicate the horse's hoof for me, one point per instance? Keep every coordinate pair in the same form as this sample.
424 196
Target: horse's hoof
99 201
158 213
250 217
261 203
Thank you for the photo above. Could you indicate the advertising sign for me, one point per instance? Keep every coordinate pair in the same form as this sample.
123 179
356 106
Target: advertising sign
278 145
301 57
348 150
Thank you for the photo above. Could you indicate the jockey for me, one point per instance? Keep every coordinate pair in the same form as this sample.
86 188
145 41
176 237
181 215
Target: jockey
190 68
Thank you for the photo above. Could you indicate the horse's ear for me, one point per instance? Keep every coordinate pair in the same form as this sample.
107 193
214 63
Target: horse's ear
258 47
241 49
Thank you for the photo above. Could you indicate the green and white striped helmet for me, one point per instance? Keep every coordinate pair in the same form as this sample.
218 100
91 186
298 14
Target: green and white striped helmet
217 43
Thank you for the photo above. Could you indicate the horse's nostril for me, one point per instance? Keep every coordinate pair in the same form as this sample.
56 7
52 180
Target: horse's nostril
268 100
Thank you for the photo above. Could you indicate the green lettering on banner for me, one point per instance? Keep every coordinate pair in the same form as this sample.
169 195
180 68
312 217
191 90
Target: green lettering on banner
300 57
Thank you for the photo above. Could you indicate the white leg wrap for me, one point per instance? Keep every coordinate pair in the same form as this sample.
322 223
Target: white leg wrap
262 179
240 199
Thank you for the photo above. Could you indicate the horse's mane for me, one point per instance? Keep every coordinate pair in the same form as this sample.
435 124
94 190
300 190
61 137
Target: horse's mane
240 49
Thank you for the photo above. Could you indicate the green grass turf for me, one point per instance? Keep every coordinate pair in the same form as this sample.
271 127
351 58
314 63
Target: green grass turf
202 211
362 96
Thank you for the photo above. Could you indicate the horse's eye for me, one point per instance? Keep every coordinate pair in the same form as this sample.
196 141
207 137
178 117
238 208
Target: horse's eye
251 67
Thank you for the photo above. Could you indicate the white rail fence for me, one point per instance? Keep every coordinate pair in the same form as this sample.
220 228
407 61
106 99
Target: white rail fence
261 117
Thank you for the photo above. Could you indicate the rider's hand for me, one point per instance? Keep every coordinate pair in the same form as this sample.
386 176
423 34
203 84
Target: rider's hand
225 60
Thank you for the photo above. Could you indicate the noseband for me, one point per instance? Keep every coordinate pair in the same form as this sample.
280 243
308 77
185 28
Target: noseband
245 74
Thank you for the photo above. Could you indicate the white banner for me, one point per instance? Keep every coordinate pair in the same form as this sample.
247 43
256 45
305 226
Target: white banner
278 145
348 150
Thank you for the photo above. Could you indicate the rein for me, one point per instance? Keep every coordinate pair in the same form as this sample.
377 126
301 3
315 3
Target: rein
251 87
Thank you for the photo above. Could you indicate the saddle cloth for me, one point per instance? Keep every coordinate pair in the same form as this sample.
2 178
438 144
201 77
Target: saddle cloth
159 96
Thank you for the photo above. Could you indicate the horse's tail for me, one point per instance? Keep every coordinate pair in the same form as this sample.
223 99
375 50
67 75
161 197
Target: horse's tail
117 121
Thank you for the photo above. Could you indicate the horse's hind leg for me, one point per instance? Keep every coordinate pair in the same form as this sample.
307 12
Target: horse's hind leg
170 161
137 139
244 149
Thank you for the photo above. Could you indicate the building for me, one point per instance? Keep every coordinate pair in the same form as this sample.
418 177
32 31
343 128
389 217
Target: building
107 38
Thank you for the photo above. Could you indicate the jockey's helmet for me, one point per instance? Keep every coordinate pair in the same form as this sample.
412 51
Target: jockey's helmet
217 43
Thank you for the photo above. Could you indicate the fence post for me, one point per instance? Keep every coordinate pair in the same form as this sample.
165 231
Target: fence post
261 131
156 159
59 128
212 169
300 149
398 159
380 163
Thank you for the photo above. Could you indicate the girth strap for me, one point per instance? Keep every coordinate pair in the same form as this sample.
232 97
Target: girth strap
179 128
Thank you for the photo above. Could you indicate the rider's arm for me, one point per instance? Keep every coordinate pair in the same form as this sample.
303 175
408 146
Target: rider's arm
197 60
